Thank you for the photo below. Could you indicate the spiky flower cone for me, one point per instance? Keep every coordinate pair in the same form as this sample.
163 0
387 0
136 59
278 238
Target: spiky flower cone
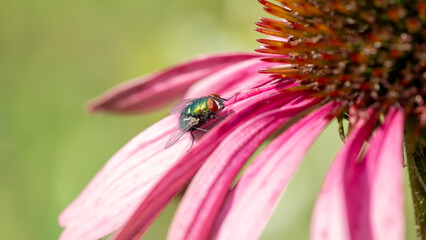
362 54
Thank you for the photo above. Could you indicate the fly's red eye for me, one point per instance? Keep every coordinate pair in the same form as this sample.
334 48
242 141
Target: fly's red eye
214 95
212 105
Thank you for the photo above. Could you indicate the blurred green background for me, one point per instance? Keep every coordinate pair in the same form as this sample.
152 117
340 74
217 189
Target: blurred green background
57 55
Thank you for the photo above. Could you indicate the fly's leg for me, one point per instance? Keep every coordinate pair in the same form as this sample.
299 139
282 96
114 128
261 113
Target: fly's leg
215 116
192 143
224 99
204 130
193 137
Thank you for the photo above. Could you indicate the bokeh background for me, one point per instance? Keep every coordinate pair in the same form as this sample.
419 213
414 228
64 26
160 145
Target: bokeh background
57 55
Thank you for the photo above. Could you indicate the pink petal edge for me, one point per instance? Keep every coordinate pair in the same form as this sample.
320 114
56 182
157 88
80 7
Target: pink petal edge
251 202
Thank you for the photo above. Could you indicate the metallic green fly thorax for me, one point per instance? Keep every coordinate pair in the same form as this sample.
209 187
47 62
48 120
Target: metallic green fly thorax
198 107
197 113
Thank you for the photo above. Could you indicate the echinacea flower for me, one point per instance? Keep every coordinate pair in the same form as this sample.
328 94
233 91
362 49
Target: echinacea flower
362 62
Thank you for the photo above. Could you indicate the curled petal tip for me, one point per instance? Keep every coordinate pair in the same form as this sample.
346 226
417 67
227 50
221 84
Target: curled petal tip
92 107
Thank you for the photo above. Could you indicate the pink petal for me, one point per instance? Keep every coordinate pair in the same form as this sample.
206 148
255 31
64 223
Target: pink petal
385 212
250 204
387 192
116 191
230 79
113 194
155 90
187 166
330 217
365 198
207 191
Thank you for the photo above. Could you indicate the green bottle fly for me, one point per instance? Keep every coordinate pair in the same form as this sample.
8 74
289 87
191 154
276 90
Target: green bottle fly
194 113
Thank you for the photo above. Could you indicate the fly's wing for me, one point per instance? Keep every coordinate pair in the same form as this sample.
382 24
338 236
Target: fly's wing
177 109
177 134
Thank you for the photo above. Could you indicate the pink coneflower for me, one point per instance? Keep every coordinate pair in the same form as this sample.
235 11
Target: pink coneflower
362 62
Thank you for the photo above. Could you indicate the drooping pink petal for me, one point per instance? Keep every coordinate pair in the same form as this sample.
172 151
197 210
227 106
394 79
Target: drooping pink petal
187 166
155 90
127 178
330 219
374 191
387 196
250 204
203 199
365 200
